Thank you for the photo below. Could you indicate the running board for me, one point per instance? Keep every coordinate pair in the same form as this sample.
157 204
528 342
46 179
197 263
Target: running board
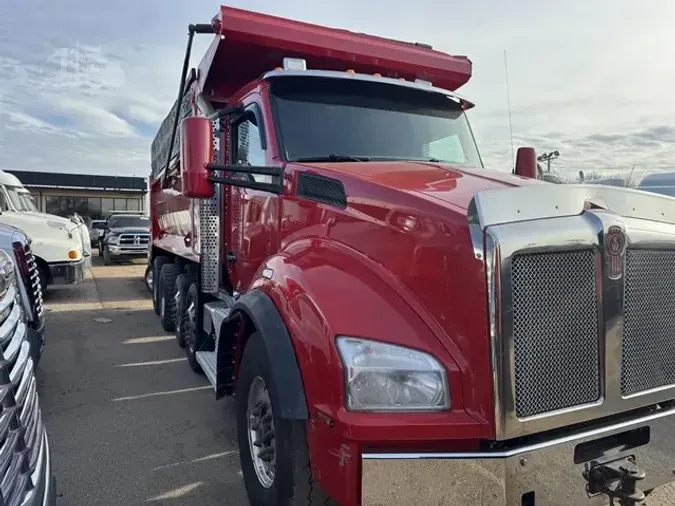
207 359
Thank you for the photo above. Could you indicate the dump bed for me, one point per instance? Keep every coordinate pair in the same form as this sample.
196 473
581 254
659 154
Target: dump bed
248 44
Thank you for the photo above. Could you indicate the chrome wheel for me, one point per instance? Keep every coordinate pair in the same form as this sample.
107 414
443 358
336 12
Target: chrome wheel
148 278
261 432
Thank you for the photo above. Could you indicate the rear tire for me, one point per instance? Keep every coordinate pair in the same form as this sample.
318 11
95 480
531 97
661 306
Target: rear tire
183 283
167 296
292 483
106 256
157 264
190 330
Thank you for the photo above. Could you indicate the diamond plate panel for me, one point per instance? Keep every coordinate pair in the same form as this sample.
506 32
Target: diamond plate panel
555 331
209 242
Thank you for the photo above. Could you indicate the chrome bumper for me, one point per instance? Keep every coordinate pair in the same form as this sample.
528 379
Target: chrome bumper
548 473
67 273
128 250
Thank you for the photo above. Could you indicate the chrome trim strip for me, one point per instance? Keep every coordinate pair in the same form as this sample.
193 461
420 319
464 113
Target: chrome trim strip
9 324
21 363
540 201
15 344
592 433
8 299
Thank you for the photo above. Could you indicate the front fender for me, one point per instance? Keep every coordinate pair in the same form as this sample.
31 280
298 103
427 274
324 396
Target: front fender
322 290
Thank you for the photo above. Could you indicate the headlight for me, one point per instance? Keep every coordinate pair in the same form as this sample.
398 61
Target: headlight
385 377
7 272
113 239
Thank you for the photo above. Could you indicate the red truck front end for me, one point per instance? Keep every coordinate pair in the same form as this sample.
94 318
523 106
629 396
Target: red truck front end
399 324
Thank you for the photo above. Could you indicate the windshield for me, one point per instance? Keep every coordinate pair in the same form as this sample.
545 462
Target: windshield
343 120
100 225
21 199
128 221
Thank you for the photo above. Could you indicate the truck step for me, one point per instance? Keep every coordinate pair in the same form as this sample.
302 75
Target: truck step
207 359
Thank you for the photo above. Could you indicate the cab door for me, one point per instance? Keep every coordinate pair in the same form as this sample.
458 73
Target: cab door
252 216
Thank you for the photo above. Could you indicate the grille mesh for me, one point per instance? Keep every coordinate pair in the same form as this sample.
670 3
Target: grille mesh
555 331
648 350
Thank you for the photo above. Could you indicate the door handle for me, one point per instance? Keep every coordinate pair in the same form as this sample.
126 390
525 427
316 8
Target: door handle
231 257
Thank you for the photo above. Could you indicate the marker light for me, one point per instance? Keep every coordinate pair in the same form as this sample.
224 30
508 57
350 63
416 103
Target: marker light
422 81
350 71
377 74
295 64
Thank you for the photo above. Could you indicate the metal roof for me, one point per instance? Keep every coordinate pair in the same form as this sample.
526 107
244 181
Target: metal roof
80 181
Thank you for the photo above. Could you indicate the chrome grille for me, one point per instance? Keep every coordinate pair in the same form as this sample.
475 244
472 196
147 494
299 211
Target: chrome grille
648 347
21 429
555 331
35 290
134 239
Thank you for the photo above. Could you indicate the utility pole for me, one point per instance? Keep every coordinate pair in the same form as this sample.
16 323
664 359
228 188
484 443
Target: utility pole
547 157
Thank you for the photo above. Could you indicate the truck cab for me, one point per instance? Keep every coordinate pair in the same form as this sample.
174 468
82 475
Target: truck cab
330 249
61 246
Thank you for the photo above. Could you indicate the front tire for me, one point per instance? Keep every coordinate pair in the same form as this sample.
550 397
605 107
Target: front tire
273 452
167 296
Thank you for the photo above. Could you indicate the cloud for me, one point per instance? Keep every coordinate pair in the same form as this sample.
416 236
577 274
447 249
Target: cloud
84 86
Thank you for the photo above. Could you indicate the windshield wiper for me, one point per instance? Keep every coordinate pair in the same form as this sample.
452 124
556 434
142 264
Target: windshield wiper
333 158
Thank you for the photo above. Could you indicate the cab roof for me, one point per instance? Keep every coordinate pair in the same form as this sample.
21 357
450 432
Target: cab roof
248 44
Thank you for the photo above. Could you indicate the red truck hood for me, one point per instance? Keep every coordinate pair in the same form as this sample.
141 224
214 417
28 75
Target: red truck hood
452 184
411 219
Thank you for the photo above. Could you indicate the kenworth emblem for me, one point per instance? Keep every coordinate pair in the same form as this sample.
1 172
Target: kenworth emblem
615 249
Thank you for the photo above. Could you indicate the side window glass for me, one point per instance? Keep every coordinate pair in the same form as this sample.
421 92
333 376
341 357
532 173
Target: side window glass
249 148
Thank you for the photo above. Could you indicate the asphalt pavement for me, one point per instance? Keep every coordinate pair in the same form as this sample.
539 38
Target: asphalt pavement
128 421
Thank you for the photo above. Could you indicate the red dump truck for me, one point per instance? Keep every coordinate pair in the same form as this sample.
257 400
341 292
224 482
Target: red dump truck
399 324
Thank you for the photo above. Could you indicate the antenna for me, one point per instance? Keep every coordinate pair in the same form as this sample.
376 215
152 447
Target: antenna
508 104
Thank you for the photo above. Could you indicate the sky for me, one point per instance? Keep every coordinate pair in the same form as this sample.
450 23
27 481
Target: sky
85 84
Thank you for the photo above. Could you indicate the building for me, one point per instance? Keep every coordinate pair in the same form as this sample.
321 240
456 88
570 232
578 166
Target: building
87 195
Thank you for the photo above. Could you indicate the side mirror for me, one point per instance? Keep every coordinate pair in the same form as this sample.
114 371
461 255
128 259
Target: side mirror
526 162
196 151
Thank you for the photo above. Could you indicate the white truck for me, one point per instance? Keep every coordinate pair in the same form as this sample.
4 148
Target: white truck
61 246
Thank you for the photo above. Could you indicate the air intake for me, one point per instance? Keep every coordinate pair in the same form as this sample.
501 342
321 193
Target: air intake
322 189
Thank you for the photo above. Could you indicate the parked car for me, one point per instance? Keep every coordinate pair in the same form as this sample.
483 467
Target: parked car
26 476
96 228
125 236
